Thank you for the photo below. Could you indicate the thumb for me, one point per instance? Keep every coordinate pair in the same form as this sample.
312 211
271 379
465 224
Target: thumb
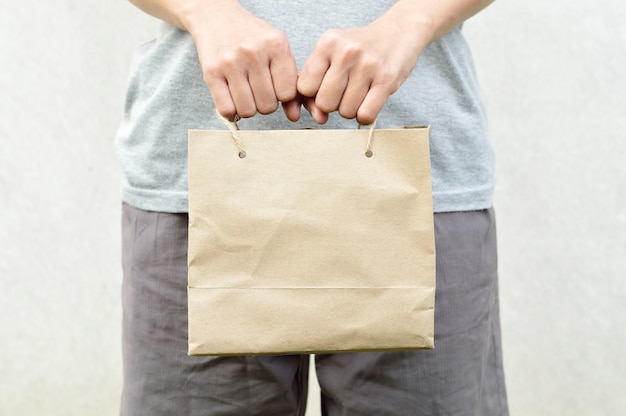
318 115
292 108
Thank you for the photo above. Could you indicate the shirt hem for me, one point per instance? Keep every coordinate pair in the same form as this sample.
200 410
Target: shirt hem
177 202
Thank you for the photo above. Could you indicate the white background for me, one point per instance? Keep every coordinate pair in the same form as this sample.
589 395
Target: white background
553 77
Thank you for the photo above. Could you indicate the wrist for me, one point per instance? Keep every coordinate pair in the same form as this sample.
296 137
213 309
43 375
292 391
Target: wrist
196 16
409 22
431 19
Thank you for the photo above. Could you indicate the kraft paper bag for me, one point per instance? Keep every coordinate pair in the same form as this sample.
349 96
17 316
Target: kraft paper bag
310 241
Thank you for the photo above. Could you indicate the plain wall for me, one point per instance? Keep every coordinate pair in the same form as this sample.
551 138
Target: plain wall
552 75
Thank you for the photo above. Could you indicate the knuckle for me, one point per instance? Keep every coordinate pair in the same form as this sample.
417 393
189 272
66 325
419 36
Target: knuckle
267 107
388 80
276 40
335 34
249 52
365 119
325 105
350 53
246 112
286 93
305 87
211 71
347 113
226 112
370 64
330 37
366 116
226 59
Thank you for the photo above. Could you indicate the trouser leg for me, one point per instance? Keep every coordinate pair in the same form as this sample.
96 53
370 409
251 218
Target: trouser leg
159 377
463 375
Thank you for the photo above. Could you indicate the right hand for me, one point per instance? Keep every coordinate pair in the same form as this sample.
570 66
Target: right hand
246 62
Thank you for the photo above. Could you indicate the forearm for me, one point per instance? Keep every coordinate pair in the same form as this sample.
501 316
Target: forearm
249 68
184 14
246 62
432 18
355 70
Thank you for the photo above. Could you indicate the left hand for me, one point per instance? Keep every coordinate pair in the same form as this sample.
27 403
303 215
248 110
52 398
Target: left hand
354 71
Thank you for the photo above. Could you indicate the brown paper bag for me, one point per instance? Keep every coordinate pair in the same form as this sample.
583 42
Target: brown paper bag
301 243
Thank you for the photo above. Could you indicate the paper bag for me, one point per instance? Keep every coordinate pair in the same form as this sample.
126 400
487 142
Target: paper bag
300 242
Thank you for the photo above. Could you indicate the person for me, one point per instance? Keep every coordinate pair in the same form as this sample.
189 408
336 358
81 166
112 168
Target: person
328 62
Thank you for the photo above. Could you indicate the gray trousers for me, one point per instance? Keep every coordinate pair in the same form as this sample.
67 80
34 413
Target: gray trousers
461 376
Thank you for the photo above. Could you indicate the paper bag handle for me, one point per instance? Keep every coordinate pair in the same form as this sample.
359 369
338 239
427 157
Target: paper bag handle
234 132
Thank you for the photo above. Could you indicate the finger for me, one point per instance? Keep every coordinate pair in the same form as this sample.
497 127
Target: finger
353 96
292 108
241 94
284 74
318 115
312 73
332 89
222 99
262 89
372 104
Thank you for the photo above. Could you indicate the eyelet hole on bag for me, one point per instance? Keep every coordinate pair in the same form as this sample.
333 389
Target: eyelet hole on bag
242 155
369 153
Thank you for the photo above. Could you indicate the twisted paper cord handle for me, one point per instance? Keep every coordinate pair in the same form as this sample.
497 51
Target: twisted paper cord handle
234 132
368 148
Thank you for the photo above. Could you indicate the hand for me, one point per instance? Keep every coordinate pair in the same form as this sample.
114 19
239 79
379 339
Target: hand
246 62
354 71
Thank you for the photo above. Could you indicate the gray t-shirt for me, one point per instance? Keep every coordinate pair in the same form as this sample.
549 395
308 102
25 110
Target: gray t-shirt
167 96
